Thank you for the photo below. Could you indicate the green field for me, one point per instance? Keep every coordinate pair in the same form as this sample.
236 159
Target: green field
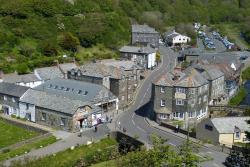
71 157
6 154
11 134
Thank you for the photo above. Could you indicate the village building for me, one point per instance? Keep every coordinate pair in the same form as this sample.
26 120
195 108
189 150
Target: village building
9 98
67 104
121 78
223 131
28 80
143 35
174 38
216 82
143 56
39 76
180 95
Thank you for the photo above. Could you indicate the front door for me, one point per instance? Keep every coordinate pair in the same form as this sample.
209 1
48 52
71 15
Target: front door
6 110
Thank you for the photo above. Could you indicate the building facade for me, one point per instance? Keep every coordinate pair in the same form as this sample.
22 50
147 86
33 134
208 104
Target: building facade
174 38
223 131
144 35
180 96
145 57
67 104
9 98
120 79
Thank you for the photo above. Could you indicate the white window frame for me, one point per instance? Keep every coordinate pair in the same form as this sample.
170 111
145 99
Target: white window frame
61 121
163 103
236 136
5 98
162 90
179 102
205 98
44 115
180 90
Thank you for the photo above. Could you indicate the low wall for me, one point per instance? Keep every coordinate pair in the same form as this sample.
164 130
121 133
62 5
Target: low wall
166 125
121 138
25 126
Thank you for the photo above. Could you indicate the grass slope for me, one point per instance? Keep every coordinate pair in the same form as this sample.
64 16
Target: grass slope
11 134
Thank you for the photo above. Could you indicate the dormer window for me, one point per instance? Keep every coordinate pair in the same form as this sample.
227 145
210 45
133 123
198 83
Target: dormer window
80 91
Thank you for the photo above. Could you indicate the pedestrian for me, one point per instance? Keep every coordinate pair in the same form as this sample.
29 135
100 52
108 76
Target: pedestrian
124 130
80 134
176 128
107 118
111 118
119 125
95 128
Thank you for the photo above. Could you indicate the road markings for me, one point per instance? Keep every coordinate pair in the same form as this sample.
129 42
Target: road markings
172 144
140 128
133 122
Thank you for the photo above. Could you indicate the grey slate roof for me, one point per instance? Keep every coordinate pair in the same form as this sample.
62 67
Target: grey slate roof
67 67
227 124
208 72
125 64
12 89
15 78
143 29
138 50
187 78
54 102
100 71
47 73
76 90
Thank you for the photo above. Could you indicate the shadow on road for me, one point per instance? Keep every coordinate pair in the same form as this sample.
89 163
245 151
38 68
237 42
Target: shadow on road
144 111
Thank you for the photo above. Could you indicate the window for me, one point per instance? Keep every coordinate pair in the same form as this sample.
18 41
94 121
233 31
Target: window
162 90
63 121
192 91
5 98
163 103
13 100
179 102
205 98
181 115
27 106
199 100
163 116
208 127
237 135
180 90
43 118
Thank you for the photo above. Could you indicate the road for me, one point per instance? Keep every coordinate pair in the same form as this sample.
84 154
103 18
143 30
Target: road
134 118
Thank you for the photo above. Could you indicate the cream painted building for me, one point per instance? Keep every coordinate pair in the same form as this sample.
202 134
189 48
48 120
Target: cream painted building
224 130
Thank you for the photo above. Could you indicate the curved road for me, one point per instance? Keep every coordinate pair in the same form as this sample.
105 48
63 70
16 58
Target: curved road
134 118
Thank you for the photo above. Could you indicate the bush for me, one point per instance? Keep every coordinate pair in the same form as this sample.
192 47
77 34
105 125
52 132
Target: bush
239 97
13 116
6 150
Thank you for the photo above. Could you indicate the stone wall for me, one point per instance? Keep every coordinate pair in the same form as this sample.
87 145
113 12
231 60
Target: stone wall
53 119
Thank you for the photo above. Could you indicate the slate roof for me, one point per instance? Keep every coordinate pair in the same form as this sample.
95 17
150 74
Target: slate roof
47 73
191 51
15 78
100 71
143 29
12 89
208 72
187 78
227 124
138 50
54 102
124 64
76 90
67 67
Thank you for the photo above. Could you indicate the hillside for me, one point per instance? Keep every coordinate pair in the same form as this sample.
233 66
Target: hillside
35 33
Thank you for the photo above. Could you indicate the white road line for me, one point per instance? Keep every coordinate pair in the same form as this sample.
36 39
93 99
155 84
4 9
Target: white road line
172 144
148 89
133 122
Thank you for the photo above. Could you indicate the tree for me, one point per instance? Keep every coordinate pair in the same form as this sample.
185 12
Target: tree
68 41
48 48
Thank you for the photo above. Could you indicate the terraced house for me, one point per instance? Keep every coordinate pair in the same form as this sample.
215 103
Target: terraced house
120 77
180 95
144 35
